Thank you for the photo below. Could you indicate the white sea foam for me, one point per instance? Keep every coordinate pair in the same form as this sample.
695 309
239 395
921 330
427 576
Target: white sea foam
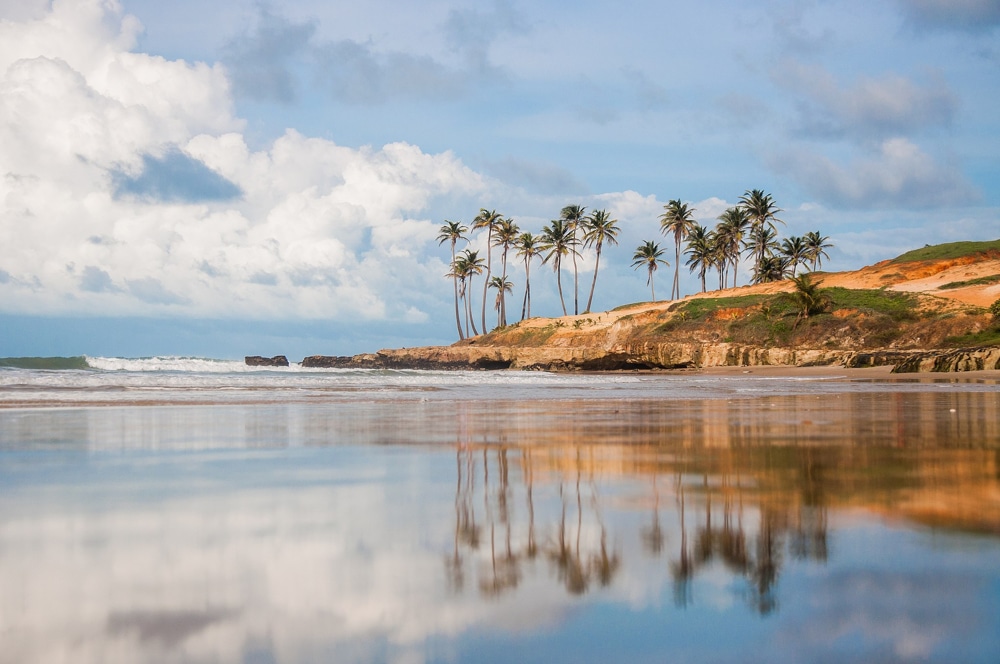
170 363
182 380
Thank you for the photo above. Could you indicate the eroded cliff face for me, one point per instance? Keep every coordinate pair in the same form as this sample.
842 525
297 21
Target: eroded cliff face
645 356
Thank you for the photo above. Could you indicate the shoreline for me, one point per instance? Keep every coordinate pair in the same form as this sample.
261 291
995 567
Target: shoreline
882 374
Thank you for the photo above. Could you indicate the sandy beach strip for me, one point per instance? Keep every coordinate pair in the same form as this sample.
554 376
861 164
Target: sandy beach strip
864 373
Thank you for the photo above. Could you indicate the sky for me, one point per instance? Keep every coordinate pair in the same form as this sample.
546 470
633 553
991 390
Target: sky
240 178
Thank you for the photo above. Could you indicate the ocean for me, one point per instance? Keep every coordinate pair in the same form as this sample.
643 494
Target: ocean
196 510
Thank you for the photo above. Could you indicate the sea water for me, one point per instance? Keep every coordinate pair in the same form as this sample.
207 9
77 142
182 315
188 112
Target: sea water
191 510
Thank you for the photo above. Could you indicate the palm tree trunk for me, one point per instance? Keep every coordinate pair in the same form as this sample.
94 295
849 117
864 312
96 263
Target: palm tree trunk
486 281
576 281
526 306
593 284
652 287
472 317
675 291
503 295
559 286
454 281
467 308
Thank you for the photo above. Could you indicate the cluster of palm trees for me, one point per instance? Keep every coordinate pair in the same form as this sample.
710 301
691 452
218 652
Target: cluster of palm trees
565 236
746 229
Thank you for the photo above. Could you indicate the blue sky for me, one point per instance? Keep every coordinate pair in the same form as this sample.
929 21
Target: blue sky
237 177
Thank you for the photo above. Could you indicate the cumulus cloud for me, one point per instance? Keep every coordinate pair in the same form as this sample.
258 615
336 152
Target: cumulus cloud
874 107
129 189
896 173
962 15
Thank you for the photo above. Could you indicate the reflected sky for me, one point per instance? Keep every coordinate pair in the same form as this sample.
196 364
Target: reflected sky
851 527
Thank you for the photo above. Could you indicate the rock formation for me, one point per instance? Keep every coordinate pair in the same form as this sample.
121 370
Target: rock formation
259 361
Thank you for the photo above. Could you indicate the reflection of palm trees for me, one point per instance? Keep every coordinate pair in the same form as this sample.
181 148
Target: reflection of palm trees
570 568
682 570
652 536
504 573
763 571
710 520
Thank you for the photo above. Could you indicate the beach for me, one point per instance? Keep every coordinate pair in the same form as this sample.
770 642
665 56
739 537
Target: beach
217 513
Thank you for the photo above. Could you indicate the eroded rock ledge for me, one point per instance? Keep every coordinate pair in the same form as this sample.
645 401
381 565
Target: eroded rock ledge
655 356
961 359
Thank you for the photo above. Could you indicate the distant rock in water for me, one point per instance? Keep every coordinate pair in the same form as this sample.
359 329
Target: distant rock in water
258 361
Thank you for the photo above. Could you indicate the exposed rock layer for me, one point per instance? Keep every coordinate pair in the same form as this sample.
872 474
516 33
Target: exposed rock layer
652 356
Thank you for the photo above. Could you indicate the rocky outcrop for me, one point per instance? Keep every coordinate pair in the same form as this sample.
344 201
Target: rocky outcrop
620 358
962 359
259 361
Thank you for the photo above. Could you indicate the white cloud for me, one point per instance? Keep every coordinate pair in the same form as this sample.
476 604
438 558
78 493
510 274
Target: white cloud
305 227
897 173
874 107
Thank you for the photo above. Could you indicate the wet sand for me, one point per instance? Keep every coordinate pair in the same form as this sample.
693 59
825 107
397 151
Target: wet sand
866 373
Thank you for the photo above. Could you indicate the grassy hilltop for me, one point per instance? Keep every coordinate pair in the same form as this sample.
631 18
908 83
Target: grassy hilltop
934 297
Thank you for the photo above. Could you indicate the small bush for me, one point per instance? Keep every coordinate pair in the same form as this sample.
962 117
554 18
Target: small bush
995 310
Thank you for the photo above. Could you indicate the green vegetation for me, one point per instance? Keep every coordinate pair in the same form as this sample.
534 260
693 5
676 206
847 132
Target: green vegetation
987 337
631 305
949 250
809 316
898 306
981 281
700 308
808 297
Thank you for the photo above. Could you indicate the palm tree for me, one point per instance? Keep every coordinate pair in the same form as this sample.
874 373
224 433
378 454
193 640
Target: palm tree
649 254
527 248
467 265
505 237
718 258
763 213
677 219
573 216
460 273
700 251
795 250
557 241
453 231
770 268
816 245
731 231
487 219
761 245
808 298
599 228
503 286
